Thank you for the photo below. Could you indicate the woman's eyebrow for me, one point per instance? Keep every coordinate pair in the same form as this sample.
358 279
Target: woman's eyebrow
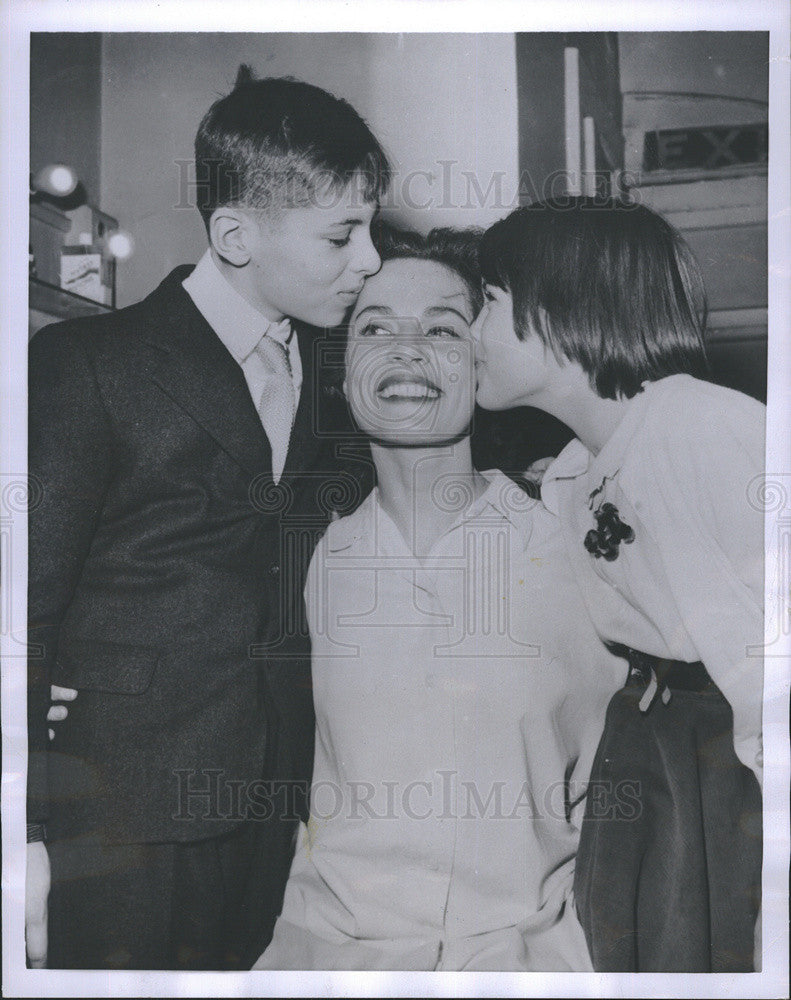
376 309
439 310
430 311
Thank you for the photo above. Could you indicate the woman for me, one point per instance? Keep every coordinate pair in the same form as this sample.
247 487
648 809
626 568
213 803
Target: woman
592 315
459 699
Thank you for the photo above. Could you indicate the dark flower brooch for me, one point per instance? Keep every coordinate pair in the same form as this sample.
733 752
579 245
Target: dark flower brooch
610 530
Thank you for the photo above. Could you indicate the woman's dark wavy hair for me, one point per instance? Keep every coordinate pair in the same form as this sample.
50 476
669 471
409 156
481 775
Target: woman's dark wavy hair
456 249
610 285
277 141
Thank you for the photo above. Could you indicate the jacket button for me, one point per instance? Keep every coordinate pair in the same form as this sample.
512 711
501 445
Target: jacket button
274 569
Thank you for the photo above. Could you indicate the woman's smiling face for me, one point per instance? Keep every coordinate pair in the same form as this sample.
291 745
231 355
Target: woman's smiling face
410 370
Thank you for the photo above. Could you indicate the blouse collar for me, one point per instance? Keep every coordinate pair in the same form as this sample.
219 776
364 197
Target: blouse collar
502 494
576 460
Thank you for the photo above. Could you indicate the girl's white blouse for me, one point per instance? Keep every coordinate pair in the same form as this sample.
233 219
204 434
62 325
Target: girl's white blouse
685 468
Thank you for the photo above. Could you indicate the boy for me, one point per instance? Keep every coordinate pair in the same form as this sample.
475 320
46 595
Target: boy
157 434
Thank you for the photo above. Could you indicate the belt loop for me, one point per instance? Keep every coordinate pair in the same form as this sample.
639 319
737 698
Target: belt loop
655 686
650 693
653 672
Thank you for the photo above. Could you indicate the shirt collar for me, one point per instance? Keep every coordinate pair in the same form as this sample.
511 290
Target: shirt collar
354 527
575 460
508 500
239 325
501 495
572 462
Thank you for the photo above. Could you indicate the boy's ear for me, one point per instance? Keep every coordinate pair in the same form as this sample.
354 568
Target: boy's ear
231 236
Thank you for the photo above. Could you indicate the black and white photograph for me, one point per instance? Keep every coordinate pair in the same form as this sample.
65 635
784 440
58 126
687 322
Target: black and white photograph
396 499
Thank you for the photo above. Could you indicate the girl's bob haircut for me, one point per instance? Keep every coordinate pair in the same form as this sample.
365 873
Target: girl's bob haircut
608 284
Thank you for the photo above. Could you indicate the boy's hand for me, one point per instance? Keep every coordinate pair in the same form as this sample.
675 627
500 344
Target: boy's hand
37 883
535 471
57 713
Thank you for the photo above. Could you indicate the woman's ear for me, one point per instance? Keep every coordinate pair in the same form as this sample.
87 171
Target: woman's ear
230 235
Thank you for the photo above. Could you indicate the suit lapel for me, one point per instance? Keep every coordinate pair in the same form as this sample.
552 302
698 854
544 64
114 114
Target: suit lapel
189 362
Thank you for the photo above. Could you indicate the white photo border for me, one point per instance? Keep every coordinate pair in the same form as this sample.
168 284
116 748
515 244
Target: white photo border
20 18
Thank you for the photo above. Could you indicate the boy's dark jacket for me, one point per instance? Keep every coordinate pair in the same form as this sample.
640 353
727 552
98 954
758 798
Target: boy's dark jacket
165 576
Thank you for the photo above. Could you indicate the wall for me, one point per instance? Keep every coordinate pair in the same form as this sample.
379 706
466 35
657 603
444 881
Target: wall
659 70
451 98
675 80
448 97
542 125
65 76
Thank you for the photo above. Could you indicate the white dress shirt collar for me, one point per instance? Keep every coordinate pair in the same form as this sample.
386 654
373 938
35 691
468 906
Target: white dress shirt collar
238 324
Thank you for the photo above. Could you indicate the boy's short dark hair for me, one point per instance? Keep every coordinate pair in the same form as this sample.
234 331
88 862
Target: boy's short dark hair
457 249
610 285
276 142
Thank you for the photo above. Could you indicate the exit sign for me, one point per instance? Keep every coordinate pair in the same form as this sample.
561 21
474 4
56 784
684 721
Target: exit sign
709 148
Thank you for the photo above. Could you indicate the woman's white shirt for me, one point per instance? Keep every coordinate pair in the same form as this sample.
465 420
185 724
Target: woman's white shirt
459 703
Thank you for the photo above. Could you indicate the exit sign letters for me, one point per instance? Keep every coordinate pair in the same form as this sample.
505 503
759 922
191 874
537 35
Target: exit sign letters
708 148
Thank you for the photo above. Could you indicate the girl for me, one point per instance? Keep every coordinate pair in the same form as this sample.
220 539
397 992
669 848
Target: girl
593 315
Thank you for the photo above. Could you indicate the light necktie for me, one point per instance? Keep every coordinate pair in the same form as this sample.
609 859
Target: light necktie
277 405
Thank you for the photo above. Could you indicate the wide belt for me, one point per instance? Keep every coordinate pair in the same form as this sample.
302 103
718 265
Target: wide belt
662 676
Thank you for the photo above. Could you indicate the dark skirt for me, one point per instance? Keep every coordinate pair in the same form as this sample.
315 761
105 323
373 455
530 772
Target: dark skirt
668 874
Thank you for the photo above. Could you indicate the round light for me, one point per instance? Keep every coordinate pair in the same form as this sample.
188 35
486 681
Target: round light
121 245
63 180
55 179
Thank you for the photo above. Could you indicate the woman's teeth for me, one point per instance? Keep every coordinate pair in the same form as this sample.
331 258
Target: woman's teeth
410 390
